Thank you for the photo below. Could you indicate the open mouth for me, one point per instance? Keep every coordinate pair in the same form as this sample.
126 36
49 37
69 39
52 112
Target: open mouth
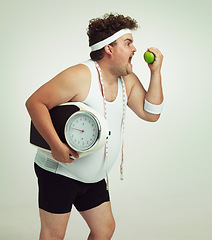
130 60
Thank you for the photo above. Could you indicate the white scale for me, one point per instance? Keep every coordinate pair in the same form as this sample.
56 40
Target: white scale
78 125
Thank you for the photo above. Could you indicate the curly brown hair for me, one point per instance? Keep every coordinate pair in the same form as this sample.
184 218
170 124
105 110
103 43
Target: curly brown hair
101 28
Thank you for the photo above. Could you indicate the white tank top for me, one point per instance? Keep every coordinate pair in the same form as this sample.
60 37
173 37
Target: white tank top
93 167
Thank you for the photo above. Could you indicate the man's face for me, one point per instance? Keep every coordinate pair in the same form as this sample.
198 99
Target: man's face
123 52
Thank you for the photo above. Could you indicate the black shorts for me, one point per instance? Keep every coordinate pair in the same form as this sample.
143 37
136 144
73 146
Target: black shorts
57 193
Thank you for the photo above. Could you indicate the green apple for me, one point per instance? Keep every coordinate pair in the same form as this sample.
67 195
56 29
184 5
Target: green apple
149 57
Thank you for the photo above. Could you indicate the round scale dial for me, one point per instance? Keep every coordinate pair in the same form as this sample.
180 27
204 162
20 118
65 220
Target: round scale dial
82 131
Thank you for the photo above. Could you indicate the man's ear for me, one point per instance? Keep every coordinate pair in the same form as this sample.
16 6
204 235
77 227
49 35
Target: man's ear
108 49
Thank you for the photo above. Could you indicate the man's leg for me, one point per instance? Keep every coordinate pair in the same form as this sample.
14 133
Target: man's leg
56 195
53 226
100 221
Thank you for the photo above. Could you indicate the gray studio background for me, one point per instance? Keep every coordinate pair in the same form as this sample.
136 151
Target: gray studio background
166 194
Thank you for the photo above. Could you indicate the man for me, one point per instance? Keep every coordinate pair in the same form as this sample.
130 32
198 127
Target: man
105 83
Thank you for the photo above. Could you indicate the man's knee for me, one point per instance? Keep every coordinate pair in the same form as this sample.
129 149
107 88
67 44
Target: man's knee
52 234
111 229
105 232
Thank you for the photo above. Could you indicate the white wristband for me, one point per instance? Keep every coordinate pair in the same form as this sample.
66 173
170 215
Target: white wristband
152 108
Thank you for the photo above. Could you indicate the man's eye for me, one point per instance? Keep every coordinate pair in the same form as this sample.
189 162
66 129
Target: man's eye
128 43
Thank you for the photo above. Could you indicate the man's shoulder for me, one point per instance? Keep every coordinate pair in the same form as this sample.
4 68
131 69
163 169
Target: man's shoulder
130 81
79 70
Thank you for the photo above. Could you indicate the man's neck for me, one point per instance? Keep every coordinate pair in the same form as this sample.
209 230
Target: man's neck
107 75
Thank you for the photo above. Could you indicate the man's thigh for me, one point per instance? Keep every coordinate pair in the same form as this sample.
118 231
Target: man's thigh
53 225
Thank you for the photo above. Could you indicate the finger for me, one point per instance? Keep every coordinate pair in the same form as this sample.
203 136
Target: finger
71 159
156 52
151 49
67 160
74 154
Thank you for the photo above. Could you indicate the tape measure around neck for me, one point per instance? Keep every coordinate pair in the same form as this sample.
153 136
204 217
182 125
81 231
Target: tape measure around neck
105 115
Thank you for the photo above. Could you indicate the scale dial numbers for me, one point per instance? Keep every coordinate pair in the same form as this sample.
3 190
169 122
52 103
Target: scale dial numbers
82 131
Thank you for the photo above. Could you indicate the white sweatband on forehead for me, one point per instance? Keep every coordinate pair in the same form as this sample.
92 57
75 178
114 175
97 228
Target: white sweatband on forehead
110 39
152 108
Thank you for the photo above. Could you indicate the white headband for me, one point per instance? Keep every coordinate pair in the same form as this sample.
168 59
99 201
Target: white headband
110 39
